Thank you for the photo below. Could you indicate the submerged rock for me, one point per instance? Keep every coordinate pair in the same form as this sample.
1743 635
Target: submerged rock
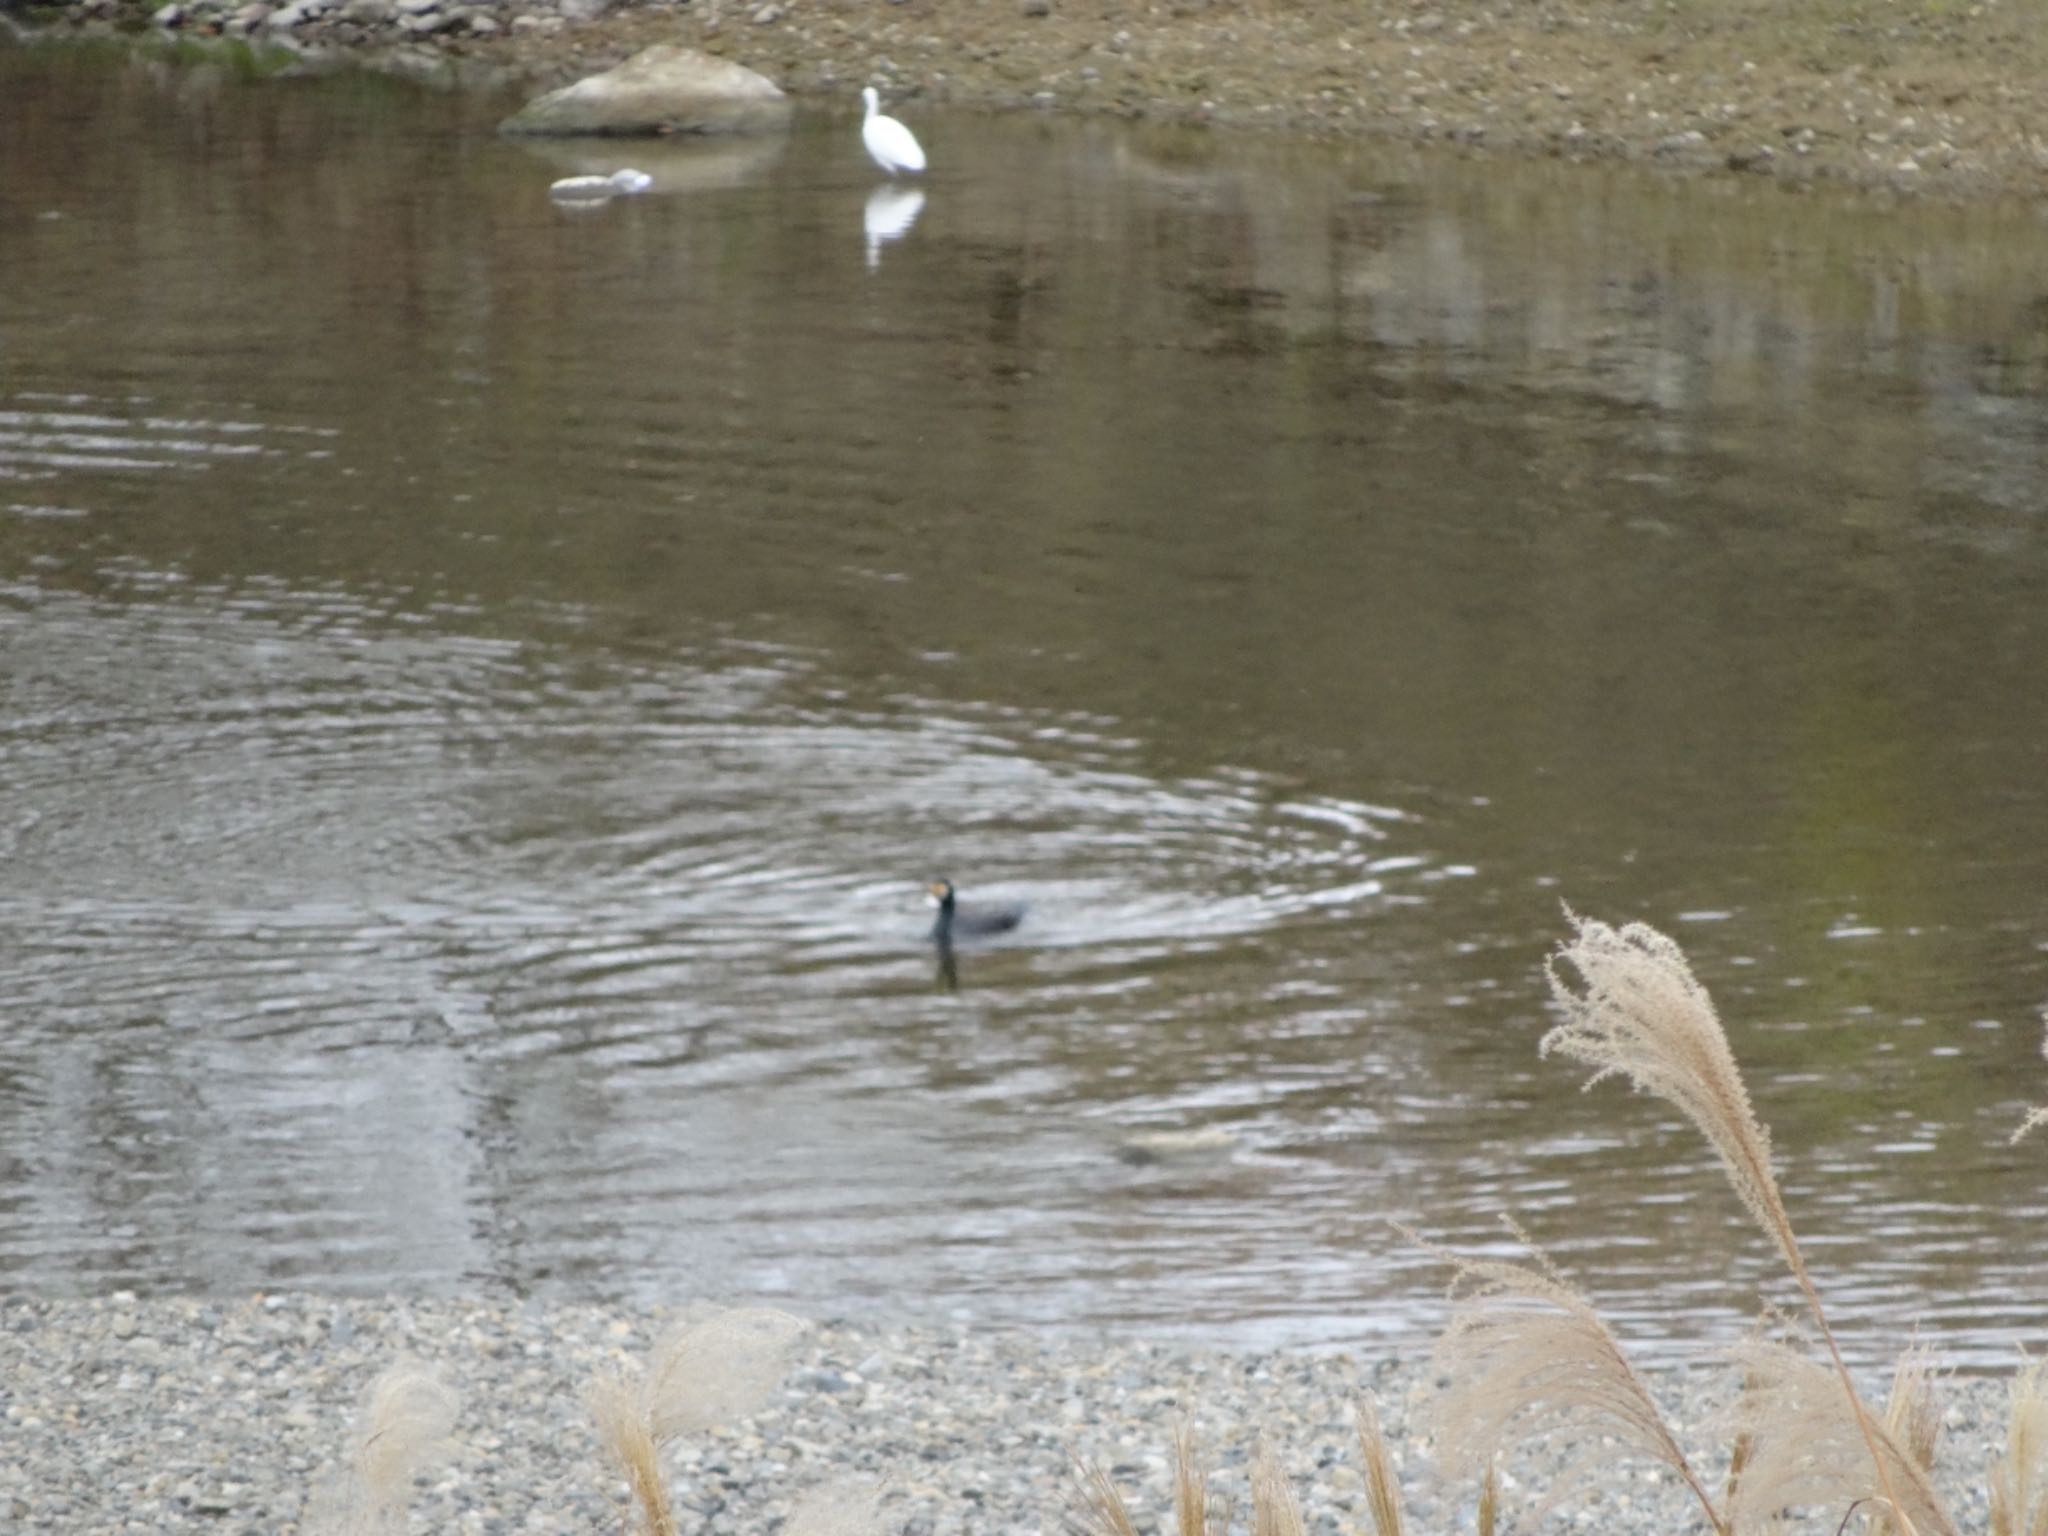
662 89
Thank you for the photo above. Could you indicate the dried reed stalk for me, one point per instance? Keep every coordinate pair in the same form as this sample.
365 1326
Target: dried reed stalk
619 1407
1912 1420
1275 1509
2036 1117
1489 1501
1639 1013
2019 1481
1100 1509
1805 1445
1527 1358
1382 1486
1190 1484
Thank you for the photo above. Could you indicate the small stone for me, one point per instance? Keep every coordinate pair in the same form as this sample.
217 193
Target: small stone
825 1381
297 14
767 16
1034 7
1685 143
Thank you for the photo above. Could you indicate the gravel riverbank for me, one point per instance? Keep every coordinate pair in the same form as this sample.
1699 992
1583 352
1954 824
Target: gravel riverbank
119 1414
1948 98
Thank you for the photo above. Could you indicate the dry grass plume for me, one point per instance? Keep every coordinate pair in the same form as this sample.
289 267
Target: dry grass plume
1638 1012
701 1375
401 1428
1808 1447
847 1507
2039 1116
1528 1360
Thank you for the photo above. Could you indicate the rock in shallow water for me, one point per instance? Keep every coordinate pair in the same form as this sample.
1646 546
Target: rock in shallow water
662 89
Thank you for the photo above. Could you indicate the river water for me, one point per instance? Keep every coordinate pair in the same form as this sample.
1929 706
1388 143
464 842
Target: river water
484 684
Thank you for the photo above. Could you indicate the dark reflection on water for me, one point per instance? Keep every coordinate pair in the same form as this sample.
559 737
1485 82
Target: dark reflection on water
486 683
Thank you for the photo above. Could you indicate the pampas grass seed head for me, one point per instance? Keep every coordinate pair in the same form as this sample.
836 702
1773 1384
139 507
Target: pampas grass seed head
1808 1442
402 1426
712 1372
845 1507
1638 1012
1528 1360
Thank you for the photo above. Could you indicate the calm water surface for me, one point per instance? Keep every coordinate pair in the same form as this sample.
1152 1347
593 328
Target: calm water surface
484 685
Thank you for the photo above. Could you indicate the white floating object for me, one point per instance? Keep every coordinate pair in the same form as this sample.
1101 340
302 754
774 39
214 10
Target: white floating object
587 189
1143 1149
890 145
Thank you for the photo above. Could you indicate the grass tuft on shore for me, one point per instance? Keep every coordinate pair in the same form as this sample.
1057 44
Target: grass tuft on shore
1382 1485
2019 1480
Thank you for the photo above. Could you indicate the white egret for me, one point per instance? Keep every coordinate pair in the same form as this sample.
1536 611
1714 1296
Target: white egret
890 145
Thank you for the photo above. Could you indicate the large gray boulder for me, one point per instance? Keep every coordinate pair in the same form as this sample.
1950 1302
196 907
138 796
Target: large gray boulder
663 89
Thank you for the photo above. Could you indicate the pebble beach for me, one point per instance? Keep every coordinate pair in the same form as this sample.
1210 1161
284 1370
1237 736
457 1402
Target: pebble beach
123 1414
1946 99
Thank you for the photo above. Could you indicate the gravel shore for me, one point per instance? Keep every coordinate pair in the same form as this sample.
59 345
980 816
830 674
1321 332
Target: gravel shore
122 1414
1950 99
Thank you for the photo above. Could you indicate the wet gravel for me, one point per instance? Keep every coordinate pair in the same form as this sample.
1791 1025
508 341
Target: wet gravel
121 1414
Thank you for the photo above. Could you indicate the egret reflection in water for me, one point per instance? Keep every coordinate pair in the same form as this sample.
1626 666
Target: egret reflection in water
890 212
